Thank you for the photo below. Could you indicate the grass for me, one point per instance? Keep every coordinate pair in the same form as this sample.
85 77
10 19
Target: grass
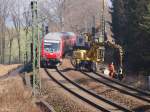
14 97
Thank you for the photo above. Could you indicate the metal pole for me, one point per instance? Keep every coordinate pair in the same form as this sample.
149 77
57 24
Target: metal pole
103 19
39 52
102 32
36 49
33 48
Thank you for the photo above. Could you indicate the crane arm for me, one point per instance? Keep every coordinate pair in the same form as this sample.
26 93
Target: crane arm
120 53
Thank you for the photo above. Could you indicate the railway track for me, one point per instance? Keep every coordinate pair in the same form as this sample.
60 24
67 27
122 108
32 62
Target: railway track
131 98
91 98
142 92
118 86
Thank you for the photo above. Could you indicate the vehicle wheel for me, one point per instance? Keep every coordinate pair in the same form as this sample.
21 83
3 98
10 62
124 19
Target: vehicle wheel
94 67
88 67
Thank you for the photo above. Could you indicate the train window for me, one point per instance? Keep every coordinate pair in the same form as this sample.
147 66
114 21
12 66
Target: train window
52 47
80 41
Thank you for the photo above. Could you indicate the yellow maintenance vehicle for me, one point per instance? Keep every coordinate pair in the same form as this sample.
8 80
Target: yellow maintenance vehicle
88 54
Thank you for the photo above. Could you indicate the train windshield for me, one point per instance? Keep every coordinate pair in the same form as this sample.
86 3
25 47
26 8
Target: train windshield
51 46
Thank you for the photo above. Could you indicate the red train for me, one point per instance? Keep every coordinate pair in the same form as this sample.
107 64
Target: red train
54 46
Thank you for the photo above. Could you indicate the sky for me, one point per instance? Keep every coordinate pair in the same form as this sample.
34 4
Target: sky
109 3
27 2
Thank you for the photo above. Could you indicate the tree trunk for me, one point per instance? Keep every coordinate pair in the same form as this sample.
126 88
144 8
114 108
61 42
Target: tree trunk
3 44
10 51
1 49
26 47
19 46
62 23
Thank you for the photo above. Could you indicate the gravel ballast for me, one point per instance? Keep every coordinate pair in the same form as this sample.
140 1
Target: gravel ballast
61 100
99 88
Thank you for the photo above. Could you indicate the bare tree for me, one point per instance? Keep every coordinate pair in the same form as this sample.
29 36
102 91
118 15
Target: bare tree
16 18
4 13
72 15
11 35
27 21
54 10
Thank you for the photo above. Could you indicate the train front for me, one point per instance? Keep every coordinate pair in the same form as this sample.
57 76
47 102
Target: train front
51 52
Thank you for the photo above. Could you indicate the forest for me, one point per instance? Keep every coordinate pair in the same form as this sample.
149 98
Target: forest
130 26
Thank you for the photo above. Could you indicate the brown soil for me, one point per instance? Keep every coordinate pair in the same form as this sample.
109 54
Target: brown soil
14 97
4 69
100 88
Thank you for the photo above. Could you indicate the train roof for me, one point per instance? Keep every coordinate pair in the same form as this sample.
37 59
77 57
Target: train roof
53 36
58 35
68 34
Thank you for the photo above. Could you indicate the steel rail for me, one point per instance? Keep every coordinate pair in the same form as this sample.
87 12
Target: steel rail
124 85
77 95
45 106
120 89
95 95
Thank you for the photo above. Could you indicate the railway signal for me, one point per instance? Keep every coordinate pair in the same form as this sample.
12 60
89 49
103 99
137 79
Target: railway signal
35 49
